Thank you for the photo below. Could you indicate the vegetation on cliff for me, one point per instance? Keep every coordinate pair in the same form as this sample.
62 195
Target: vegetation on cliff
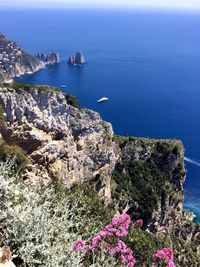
41 218
29 87
40 223
72 100
145 179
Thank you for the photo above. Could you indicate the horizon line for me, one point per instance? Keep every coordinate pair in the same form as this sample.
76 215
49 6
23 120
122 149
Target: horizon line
101 6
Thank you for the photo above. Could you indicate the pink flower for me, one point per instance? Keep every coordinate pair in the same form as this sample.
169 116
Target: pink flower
79 245
139 223
171 264
123 259
109 238
165 255
122 220
95 241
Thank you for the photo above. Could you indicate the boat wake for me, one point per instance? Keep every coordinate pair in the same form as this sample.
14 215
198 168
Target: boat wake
194 162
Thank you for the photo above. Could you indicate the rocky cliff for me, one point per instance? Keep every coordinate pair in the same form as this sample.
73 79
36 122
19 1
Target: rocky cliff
60 139
143 177
14 61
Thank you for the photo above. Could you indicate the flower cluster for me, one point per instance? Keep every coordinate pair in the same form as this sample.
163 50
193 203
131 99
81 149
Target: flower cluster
165 256
126 254
79 244
110 235
110 238
138 223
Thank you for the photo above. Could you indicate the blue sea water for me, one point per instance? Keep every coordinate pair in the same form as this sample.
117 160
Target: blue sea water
146 62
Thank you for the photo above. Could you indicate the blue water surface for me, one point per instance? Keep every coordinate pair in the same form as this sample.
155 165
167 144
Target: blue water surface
147 63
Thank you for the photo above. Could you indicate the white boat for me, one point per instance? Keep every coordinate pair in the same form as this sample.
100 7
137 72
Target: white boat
102 99
64 85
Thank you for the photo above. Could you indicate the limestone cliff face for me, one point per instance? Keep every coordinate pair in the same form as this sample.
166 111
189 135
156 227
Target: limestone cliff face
14 61
71 143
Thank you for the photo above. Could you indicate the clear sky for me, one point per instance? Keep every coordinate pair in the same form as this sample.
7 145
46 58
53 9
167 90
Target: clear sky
194 4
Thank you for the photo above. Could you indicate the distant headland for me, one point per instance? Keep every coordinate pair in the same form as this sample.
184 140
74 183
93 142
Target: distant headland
15 62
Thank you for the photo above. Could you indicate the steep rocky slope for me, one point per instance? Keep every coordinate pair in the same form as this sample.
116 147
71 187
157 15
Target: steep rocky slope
152 169
143 177
14 61
60 139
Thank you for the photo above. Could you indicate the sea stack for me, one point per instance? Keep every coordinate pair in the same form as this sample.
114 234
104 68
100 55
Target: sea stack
53 58
71 60
78 58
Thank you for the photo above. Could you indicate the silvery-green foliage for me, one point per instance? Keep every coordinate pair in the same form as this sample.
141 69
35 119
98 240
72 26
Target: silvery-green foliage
38 225
104 259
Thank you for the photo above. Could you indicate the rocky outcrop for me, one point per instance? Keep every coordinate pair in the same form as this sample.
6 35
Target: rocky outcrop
5 257
52 58
77 59
70 143
14 61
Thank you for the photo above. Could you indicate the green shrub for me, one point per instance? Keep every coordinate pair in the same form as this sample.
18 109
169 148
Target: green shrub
29 87
72 100
145 245
140 183
40 223
13 151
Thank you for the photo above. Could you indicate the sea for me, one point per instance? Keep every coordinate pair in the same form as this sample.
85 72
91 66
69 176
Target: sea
147 62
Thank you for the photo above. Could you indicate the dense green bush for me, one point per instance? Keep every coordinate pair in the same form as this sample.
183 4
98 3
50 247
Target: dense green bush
13 151
140 183
144 245
72 100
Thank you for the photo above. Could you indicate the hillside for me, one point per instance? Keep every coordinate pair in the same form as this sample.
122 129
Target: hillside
15 62
55 143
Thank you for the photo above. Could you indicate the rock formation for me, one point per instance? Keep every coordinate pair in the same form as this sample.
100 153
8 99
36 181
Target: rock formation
76 59
63 140
14 61
5 257
52 58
